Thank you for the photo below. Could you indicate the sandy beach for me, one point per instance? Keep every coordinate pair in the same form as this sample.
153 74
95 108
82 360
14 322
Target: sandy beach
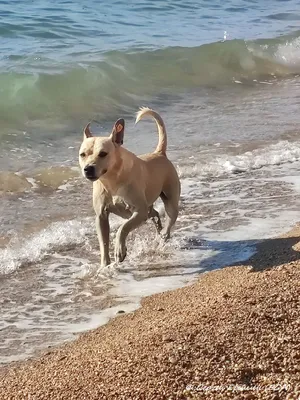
233 334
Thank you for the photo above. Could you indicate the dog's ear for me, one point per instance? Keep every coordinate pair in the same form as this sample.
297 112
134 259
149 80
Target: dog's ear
117 133
86 132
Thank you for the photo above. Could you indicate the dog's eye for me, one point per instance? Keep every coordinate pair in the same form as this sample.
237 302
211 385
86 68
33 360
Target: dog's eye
82 155
102 154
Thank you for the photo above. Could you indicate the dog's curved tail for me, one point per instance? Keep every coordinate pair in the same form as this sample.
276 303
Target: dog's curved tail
162 134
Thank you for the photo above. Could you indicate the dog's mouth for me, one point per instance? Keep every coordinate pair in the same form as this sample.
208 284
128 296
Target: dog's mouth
93 178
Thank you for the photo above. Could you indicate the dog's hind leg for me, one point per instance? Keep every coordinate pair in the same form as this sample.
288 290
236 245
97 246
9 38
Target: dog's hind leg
155 218
171 207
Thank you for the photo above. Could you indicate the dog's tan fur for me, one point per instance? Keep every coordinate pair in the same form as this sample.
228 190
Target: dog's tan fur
127 185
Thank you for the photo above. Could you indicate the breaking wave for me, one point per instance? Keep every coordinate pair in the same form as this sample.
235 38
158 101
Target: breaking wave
123 80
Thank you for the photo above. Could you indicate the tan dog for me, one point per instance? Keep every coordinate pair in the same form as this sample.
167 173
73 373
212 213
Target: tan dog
127 185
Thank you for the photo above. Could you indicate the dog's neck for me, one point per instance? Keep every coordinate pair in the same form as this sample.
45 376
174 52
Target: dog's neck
119 173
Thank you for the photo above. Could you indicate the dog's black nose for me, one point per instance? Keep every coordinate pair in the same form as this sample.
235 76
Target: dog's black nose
89 171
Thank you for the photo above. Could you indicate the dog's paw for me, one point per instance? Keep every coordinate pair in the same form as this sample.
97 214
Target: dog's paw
104 261
165 235
120 252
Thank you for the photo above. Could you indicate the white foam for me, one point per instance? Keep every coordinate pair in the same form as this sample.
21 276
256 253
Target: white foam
286 54
133 290
294 180
56 236
289 53
33 182
101 318
275 154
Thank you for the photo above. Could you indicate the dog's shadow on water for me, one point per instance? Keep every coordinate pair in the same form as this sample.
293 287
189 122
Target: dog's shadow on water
260 255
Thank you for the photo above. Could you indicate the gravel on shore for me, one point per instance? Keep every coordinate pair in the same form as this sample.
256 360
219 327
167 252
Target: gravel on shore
234 334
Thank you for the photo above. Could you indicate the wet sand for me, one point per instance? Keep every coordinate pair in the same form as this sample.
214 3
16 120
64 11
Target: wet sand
234 334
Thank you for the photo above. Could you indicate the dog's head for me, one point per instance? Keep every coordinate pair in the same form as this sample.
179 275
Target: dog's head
98 155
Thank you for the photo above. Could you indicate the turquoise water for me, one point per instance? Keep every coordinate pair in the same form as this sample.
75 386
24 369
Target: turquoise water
225 78
69 31
64 61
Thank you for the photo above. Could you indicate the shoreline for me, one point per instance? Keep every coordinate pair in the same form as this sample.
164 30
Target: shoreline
235 331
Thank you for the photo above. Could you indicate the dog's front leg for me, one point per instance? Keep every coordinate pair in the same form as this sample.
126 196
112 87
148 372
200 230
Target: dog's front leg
102 227
137 218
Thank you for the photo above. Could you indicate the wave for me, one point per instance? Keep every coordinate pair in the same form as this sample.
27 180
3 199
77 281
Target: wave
58 235
42 90
283 152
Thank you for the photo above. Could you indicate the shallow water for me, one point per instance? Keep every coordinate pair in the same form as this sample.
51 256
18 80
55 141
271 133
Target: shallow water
231 108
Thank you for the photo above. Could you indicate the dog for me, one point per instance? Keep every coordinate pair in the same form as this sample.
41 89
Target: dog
128 185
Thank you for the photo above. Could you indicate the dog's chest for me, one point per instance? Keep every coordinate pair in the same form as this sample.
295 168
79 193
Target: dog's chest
118 206
118 201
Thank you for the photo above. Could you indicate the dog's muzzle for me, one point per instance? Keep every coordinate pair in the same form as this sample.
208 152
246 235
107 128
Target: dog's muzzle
90 172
